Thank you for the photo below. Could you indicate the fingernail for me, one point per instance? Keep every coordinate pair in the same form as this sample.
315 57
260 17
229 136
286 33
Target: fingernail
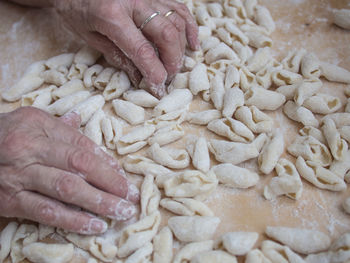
96 226
123 211
133 194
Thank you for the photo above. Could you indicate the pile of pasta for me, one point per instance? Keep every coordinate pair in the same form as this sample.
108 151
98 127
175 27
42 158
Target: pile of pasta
236 73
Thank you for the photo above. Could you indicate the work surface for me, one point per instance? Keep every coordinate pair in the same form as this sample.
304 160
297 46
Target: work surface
28 35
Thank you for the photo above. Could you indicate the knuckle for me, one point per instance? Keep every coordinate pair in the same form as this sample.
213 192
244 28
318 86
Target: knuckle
80 160
182 8
66 186
45 211
84 142
145 51
169 33
180 24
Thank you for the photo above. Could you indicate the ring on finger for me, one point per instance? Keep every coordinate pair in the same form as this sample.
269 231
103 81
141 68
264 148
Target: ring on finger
169 13
148 19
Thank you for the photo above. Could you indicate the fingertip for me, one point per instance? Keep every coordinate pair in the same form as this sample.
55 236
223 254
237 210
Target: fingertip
124 210
72 119
94 226
133 194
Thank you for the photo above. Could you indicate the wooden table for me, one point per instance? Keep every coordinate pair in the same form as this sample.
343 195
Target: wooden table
28 35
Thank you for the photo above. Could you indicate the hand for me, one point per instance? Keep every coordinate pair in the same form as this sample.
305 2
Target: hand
46 164
111 26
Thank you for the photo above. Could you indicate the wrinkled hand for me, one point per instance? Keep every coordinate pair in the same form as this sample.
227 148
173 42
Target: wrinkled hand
111 26
46 164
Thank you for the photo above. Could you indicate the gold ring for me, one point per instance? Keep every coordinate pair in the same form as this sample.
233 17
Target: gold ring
148 19
170 12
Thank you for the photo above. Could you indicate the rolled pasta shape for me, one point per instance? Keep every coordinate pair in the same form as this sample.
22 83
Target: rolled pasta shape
217 91
258 40
256 256
279 253
177 99
68 88
190 183
188 64
235 10
261 57
30 81
143 254
117 85
45 231
193 228
213 256
345 133
235 33
285 77
335 73
204 32
39 98
138 234
301 240
103 79
6 237
199 153
233 99
25 235
236 152
86 55
88 107
203 117
287 182
341 167
288 90
129 111
76 71
310 149
67 103
112 130
141 98
150 196
314 132
256 120
243 52
186 207
340 119
232 129
180 81
209 43
247 79
237 243
293 59
215 9
221 51
234 176
169 157
203 18
48 253
271 152
319 176
198 79
341 17
323 103
232 77
163 246
257 96
167 134
310 66
91 74
190 250
250 6
264 18
306 89
63 60
93 127
142 165
300 114
53 76
264 75
337 145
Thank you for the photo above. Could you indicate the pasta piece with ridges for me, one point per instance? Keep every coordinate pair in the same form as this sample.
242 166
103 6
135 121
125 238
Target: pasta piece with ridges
335 73
199 153
186 253
177 99
169 157
256 120
257 96
233 98
186 207
237 243
48 253
6 237
129 111
118 84
300 114
278 253
271 152
88 107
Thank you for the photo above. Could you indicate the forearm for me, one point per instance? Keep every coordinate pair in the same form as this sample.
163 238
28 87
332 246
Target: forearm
34 3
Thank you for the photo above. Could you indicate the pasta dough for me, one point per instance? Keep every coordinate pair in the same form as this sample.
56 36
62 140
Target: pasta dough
48 253
193 228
